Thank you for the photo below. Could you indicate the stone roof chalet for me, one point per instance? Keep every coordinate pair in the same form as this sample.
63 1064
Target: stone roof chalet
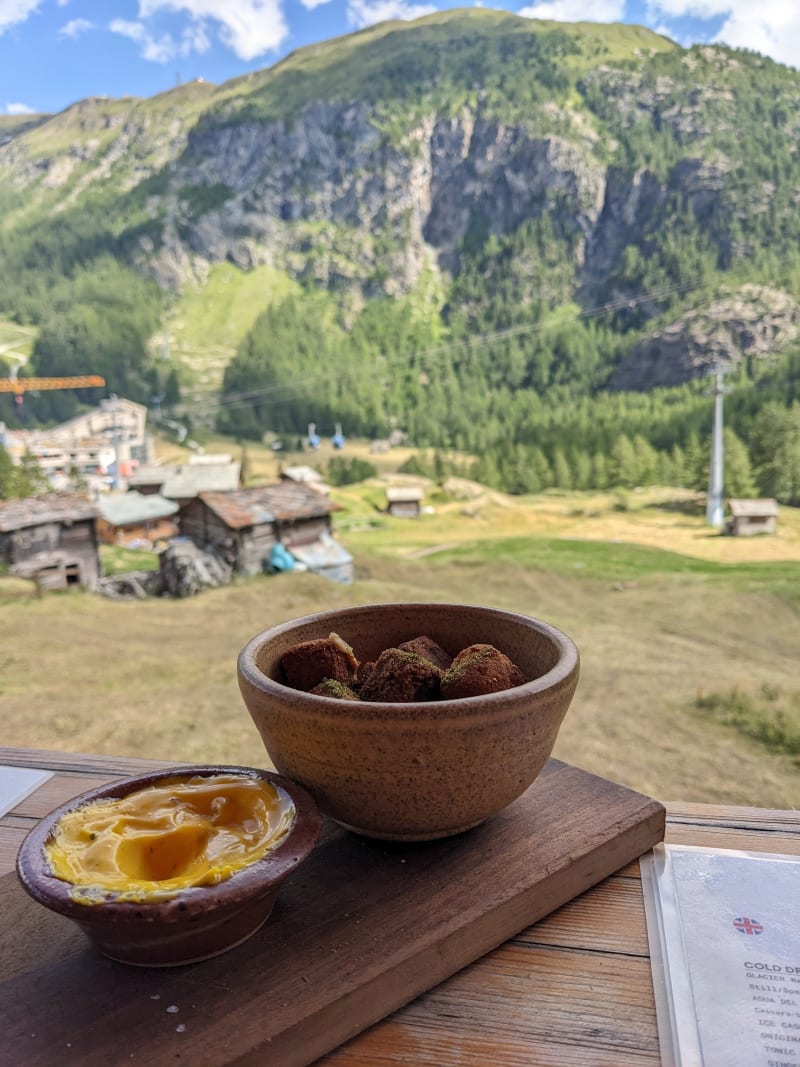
763 508
188 480
126 509
62 508
283 502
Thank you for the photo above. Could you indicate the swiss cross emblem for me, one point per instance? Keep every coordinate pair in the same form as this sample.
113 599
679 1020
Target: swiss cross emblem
748 926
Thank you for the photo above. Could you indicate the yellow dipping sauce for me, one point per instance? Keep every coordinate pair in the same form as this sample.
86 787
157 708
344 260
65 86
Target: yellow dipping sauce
152 844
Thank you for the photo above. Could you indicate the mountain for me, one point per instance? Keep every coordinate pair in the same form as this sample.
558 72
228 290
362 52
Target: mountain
460 219
394 144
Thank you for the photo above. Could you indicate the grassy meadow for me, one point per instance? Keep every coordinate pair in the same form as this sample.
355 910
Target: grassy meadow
206 324
689 640
16 345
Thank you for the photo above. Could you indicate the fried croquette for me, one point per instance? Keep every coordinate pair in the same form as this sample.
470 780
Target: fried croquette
428 649
477 670
310 662
418 669
399 677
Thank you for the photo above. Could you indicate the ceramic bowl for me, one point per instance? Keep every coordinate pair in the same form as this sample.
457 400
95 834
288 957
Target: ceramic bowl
199 922
422 770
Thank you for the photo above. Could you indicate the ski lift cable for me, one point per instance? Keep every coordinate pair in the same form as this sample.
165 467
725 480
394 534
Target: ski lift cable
237 399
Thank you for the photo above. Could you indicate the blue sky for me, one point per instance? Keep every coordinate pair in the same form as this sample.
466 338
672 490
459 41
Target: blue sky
54 52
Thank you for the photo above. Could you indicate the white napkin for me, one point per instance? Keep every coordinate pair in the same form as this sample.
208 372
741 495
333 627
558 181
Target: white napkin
16 783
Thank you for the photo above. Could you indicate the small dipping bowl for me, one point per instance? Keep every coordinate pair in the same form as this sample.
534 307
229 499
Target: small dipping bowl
196 923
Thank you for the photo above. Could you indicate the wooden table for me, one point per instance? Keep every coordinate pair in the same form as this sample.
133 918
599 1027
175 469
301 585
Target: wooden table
574 989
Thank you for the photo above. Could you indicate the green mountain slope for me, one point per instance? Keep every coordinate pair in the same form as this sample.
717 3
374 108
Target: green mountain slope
478 228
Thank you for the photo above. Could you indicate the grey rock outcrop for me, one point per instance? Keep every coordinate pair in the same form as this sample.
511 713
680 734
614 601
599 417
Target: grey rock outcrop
753 322
187 570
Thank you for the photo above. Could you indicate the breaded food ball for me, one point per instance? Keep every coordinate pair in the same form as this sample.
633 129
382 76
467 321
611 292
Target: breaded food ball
399 676
310 662
477 670
329 687
428 649
365 669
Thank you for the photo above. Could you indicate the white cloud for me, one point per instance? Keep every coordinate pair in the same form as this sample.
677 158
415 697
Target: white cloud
164 48
769 26
698 9
75 28
248 27
14 11
309 5
195 39
576 10
20 109
361 13
158 50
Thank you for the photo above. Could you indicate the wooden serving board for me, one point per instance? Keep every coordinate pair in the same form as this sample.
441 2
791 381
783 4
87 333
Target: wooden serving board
359 930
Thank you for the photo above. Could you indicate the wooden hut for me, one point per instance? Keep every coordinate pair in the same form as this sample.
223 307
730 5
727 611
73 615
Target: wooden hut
244 525
52 539
404 501
137 520
749 517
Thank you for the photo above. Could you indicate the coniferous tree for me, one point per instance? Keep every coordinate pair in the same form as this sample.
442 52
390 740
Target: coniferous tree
582 468
172 389
541 465
679 466
562 474
698 460
646 460
775 445
624 463
23 479
6 473
600 473
738 475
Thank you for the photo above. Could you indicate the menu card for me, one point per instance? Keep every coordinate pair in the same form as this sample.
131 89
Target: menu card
724 932
16 783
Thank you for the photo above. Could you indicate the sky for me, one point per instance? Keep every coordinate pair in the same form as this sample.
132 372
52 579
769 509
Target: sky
54 52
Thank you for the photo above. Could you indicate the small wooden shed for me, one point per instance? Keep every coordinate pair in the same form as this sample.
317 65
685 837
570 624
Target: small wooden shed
244 525
137 520
404 501
750 517
51 538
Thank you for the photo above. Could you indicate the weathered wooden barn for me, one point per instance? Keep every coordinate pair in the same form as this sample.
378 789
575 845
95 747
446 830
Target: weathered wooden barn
135 519
404 501
244 525
52 539
749 517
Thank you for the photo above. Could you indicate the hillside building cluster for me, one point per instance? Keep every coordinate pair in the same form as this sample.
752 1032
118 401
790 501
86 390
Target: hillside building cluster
127 499
102 447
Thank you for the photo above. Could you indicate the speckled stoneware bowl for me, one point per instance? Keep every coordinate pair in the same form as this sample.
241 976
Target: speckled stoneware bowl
413 771
199 922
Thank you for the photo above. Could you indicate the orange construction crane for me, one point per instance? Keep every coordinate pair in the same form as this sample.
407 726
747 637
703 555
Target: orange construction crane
27 385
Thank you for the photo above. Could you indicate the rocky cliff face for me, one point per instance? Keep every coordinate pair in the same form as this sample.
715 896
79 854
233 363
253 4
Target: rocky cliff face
329 196
330 182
